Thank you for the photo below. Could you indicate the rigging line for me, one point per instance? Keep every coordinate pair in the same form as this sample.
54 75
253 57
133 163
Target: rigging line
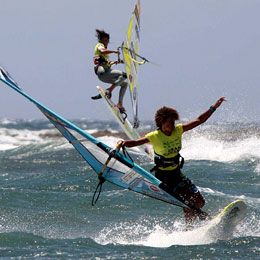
118 55
112 154
98 189
136 61
126 154
78 141
144 60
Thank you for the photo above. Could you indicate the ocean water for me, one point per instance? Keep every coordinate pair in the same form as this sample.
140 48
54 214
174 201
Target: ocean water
46 191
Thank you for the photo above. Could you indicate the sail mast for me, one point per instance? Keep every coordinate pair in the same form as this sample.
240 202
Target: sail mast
130 49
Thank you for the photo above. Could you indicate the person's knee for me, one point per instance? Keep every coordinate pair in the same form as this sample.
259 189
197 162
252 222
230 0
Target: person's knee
124 84
199 201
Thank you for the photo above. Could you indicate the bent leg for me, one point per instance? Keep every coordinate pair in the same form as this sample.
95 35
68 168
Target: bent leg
110 76
198 201
116 78
190 192
183 186
122 91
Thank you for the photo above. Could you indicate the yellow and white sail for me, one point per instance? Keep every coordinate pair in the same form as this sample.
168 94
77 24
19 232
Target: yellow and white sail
130 50
132 59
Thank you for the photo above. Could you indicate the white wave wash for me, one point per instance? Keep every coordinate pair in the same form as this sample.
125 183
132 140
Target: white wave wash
13 138
196 146
141 233
203 148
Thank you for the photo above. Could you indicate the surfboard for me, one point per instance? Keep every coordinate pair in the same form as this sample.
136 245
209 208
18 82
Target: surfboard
228 219
121 118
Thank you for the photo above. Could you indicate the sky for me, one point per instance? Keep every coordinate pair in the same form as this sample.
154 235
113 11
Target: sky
206 50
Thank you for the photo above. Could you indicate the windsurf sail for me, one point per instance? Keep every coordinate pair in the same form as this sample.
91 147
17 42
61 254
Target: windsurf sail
131 57
119 170
132 60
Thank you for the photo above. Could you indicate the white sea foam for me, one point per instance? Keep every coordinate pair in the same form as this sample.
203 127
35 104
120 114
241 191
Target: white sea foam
257 168
140 233
6 121
157 236
12 138
178 237
92 131
203 148
227 146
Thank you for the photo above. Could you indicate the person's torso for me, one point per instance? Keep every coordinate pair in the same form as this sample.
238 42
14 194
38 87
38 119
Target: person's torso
99 54
166 146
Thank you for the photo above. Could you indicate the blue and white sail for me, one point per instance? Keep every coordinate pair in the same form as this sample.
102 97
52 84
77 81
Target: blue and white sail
120 170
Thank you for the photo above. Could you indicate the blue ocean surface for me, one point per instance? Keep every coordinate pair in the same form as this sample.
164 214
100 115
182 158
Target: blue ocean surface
46 190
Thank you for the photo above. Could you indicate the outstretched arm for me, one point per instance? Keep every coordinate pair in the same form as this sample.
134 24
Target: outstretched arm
203 117
105 51
137 142
116 62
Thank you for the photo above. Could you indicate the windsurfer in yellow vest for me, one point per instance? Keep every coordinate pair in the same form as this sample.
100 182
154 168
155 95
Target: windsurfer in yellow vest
166 141
105 73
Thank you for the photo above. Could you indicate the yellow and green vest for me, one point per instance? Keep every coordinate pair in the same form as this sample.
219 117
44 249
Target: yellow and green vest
166 146
98 53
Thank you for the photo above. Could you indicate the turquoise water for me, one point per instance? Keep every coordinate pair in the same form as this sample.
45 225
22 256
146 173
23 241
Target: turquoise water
46 192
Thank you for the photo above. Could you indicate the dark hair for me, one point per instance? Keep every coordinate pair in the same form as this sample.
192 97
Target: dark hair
101 34
163 114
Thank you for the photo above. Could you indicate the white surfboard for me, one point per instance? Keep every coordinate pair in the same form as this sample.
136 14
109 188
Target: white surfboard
121 118
228 219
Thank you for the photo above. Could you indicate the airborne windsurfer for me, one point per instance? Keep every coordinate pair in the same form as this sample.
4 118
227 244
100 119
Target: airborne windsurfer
166 142
105 73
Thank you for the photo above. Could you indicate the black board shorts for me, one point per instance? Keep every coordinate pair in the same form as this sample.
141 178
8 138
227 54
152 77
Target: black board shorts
176 180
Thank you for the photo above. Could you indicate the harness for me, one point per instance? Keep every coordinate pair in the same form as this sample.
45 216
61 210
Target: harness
99 61
163 162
